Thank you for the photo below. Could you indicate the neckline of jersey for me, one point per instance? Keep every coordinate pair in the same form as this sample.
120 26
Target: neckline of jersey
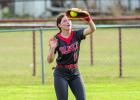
68 39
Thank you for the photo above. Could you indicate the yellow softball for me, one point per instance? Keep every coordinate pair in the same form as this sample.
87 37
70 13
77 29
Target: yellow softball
73 13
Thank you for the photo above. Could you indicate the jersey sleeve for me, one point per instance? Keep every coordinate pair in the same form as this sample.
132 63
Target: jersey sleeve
79 34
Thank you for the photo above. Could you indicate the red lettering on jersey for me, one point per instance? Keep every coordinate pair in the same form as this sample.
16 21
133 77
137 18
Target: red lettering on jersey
68 49
76 46
63 49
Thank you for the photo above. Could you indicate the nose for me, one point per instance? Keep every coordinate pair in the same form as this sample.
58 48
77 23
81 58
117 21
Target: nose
67 22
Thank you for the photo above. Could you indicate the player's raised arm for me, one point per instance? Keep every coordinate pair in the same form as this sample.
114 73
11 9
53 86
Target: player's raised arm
91 28
53 45
76 13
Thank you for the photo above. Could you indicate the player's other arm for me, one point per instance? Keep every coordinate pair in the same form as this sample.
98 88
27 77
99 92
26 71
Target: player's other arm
53 45
91 28
51 55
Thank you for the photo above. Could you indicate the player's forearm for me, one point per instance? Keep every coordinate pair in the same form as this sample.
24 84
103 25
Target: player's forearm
92 26
51 55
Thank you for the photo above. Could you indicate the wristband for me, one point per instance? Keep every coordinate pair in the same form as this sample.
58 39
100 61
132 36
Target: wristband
88 18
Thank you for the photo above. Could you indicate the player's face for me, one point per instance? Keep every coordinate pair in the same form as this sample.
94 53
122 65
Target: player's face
65 23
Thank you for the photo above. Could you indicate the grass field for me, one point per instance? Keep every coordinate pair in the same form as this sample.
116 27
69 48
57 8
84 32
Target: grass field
102 80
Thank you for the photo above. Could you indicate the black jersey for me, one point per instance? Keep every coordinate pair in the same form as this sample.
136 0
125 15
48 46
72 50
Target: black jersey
68 48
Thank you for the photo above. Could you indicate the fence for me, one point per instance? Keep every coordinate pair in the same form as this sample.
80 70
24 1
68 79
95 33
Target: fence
41 28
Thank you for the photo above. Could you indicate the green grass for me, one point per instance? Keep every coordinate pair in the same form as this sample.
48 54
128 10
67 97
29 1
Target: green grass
101 80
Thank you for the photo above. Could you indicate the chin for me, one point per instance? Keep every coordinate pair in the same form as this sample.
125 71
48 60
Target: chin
67 29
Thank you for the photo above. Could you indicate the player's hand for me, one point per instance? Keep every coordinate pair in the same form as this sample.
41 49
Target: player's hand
85 12
88 17
53 43
81 14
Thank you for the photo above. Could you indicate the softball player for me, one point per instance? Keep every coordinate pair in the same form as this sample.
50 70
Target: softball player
67 44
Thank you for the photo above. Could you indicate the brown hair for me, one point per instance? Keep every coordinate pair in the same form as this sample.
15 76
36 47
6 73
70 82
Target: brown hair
58 21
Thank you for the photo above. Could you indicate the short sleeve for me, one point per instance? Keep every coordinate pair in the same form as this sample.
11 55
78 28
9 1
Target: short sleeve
79 34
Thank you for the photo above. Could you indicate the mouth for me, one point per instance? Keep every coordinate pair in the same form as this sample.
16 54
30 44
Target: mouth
68 25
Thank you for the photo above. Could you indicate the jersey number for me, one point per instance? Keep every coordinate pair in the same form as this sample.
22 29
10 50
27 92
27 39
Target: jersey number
75 56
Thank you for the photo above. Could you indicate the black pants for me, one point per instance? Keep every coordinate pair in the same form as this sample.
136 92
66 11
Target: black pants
68 77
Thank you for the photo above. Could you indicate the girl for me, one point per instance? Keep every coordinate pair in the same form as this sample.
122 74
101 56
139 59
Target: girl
67 44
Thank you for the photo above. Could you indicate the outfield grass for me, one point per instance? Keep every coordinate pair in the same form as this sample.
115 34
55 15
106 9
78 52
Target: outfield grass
102 80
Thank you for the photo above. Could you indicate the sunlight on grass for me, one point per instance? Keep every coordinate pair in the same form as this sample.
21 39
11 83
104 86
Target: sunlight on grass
101 80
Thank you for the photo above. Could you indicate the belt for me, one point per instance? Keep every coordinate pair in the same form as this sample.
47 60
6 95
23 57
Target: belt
69 66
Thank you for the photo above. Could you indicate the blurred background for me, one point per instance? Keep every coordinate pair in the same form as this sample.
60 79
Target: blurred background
103 49
51 8
109 59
